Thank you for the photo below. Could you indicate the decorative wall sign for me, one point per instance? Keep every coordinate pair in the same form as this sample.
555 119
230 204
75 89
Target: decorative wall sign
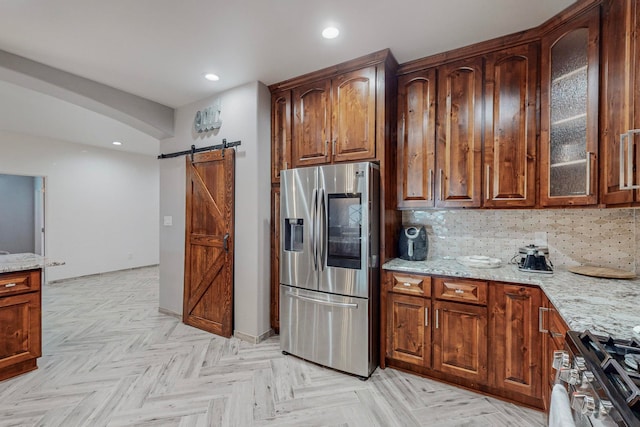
208 119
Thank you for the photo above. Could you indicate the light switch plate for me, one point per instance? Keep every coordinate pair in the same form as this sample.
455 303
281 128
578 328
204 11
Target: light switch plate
168 221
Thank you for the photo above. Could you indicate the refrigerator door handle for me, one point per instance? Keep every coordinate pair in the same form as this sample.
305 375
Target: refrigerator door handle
314 209
323 237
323 302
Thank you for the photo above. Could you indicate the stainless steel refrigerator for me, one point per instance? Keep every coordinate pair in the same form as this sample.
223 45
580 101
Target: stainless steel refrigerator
329 259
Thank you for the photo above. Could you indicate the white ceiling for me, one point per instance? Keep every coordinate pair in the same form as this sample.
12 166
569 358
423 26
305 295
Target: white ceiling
159 49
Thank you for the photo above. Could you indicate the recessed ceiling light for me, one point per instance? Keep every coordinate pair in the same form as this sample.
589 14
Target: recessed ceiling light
117 143
330 33
211 77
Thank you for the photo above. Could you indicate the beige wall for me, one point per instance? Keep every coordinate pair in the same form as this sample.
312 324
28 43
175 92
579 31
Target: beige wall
602 237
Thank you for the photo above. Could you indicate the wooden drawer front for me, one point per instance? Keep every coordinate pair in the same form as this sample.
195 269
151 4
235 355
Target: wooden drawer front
19 282
411 284
470 291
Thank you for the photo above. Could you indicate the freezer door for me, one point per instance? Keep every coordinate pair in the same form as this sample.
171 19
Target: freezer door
346 228
330 330
298 216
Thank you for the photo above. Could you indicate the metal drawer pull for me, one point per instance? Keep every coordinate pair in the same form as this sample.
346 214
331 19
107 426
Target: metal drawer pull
437 322
459 291
426 316
626 182
9 285
407 284
319 301
588 189
541 328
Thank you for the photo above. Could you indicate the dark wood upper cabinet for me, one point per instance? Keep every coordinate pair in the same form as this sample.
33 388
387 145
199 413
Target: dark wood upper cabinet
354 116
569 112
275 259
416 139
280 133
311 124
459 134
515 340
511 77
618 76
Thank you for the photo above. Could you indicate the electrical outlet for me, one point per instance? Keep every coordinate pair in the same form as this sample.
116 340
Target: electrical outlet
168 221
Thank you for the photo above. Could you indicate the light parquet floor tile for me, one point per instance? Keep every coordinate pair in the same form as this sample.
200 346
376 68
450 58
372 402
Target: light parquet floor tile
111 359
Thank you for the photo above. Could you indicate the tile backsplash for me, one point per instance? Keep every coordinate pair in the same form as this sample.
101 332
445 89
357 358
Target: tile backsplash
601 237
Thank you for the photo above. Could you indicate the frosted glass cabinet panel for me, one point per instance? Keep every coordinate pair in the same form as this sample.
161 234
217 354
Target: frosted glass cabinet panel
570 113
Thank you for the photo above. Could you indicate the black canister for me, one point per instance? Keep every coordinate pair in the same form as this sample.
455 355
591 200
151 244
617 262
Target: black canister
413 244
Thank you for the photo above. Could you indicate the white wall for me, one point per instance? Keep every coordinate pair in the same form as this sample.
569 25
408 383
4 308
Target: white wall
101 205
246 117
17 217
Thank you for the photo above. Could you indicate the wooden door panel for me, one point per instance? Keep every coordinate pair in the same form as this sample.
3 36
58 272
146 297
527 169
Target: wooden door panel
354 115
311 124
460 340
409 334
275 258
516 341
20 338
510 127
416 139
208 287
280 133
459 133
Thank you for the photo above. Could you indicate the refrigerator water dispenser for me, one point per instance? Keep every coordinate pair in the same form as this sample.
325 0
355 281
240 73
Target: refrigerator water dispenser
293 232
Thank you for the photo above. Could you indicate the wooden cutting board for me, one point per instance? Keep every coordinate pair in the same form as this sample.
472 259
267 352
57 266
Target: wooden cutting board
605 272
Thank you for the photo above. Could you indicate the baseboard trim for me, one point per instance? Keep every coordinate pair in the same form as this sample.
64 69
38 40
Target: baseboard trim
169 313
98 274
252 338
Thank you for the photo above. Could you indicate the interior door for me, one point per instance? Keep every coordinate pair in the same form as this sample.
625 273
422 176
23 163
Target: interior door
208 281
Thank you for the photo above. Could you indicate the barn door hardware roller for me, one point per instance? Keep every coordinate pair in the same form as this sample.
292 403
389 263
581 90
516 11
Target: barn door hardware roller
195 150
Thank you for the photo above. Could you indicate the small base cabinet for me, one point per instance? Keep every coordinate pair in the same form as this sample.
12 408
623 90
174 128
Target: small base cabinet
480 335
20 322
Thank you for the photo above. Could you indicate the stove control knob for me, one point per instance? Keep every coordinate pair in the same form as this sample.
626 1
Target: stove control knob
587 377
569 376
605 407
588 405
560 360
579 363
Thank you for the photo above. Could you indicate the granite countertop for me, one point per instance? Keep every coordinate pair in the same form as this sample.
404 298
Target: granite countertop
603 306
21 262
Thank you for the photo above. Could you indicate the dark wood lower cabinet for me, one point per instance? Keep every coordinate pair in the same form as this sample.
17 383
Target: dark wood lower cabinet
460 340
409 336
20 322
492 343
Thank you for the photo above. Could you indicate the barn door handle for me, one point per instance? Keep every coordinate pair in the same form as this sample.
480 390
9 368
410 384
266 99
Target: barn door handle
225 242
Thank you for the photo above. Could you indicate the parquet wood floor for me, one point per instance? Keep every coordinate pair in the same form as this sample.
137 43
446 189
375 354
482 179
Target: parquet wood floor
111 359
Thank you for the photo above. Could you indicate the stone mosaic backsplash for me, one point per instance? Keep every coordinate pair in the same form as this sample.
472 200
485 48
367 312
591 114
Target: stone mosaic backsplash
601 237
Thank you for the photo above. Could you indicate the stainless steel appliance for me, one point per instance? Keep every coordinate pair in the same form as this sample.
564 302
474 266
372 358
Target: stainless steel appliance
534 259
329 256
602 378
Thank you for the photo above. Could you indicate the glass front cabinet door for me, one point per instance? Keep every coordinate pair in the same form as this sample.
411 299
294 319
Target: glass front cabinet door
569 113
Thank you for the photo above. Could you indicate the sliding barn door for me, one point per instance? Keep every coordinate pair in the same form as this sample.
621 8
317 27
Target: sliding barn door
208 271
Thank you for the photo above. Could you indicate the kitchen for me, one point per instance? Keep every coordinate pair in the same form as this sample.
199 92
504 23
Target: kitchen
251 321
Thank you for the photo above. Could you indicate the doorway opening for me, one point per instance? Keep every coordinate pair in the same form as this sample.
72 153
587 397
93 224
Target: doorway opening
22 214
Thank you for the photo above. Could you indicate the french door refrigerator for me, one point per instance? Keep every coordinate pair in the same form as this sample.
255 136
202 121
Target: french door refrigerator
329 256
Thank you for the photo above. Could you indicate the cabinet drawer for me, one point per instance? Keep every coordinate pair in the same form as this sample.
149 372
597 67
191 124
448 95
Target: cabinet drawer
19 282
461 290
410 284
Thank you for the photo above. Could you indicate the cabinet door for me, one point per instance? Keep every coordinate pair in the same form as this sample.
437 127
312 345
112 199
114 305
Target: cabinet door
280 133
354 115
416 139
275 258
460 340
554 329
510 127
311 124
459 134
516 342
408 330
569 113
617 107
20 332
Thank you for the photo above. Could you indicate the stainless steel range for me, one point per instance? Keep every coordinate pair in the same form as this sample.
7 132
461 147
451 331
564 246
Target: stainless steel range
602 377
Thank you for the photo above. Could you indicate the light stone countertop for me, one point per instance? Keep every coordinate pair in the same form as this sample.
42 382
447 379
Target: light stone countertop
22 262
603 306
